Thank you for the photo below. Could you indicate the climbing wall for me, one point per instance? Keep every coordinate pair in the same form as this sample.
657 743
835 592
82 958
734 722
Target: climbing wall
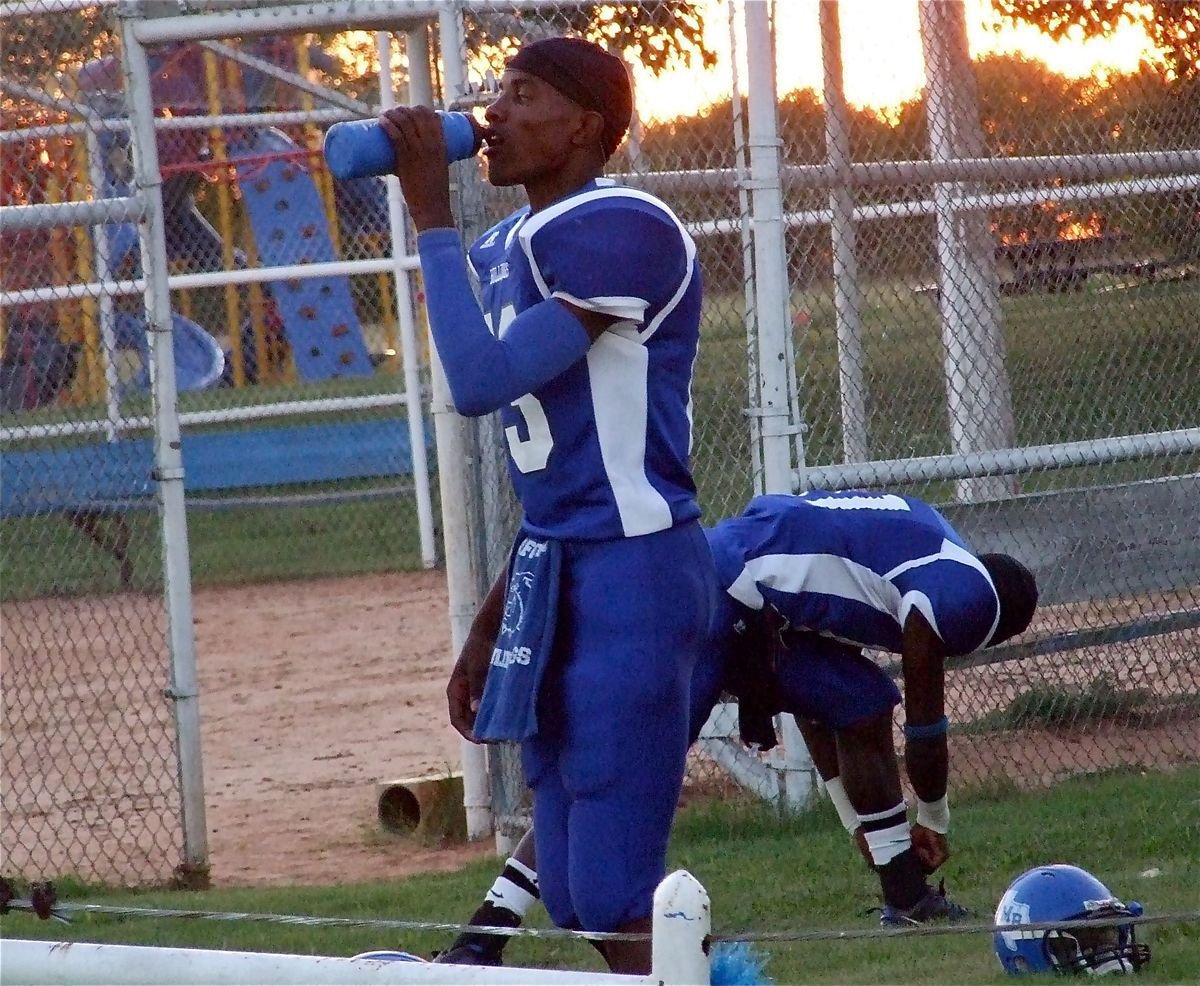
290 226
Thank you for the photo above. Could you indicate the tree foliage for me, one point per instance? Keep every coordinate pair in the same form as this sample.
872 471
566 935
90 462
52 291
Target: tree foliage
35 46
1173 25
658 34
1025 108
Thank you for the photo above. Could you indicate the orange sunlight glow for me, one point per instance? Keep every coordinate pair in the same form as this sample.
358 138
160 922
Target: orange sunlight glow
1076 229
881 54
1068 225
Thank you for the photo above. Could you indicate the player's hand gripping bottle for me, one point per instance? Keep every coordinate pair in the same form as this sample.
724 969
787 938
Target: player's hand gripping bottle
359 148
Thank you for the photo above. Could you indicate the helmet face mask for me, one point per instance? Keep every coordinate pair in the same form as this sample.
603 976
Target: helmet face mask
1066 893
1099 951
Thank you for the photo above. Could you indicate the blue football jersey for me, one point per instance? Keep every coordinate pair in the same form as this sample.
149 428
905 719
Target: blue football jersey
602 450
852 565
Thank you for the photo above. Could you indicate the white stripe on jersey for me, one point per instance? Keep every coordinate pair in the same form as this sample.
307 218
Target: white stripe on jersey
829 574
920 602
949 551
834 575
946 550
516 228
627 309
618 368
539 219
888 501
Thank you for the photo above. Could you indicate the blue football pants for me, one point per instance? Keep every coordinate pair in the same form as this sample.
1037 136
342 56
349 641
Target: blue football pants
606 766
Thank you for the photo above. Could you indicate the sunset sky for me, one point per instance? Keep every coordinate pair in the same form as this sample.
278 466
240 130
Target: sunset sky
881 54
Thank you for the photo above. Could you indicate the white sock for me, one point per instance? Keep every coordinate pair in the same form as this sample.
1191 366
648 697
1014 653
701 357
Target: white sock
887 833
515 889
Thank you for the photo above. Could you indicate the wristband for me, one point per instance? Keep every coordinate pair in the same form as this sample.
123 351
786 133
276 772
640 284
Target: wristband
934 815
845 810
932 731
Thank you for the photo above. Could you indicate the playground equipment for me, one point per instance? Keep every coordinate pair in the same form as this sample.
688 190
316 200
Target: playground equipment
308 329
249 215
287 219
290 227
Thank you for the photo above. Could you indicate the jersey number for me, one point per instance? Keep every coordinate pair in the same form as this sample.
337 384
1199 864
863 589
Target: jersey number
532 453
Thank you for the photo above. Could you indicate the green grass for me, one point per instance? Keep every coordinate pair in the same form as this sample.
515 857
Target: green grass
47 556
1081 365
766 873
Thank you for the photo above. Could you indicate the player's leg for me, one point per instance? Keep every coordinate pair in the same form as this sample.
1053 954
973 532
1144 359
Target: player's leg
822 747
845 691
829 687
832 688
541 762
634 616
871 778
504 906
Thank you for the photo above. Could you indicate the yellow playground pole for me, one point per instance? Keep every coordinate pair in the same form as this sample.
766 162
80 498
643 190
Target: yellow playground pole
387 307
86 271
233 315
264 357
185 305
312 143
60 258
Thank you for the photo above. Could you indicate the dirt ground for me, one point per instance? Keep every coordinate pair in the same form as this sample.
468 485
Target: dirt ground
310 694
305 709
313 692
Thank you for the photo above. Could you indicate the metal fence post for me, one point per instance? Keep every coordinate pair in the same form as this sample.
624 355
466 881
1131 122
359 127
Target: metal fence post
977 390
772 303
184 690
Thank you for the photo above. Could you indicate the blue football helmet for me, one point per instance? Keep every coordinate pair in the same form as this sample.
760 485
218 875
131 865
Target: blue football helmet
1066 893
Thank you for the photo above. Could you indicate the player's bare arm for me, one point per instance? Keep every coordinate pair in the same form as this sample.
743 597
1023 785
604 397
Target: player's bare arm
465 687
925 748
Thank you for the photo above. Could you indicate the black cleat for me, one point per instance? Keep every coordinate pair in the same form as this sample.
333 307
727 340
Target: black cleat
934 906
469 953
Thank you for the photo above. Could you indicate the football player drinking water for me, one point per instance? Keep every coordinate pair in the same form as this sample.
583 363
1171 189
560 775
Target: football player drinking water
585 343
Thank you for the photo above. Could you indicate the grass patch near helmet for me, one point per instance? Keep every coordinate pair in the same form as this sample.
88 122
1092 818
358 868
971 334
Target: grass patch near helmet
767 872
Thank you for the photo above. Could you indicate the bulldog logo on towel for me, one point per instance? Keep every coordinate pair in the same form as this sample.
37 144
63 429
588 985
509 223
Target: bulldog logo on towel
508 708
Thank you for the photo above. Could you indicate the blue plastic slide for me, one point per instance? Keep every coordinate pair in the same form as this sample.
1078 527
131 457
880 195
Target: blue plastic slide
199 361
290 227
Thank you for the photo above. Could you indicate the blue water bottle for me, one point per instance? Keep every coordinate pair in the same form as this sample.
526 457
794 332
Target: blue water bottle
359 148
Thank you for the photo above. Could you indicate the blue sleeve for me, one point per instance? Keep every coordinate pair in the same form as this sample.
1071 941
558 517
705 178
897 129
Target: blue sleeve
486 373
957 600
618 255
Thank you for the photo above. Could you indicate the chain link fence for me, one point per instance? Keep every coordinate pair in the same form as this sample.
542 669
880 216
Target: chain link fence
1036 302
989 288
84 674
299 370
1002 260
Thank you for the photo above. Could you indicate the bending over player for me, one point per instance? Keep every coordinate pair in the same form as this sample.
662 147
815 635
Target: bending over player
809 581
